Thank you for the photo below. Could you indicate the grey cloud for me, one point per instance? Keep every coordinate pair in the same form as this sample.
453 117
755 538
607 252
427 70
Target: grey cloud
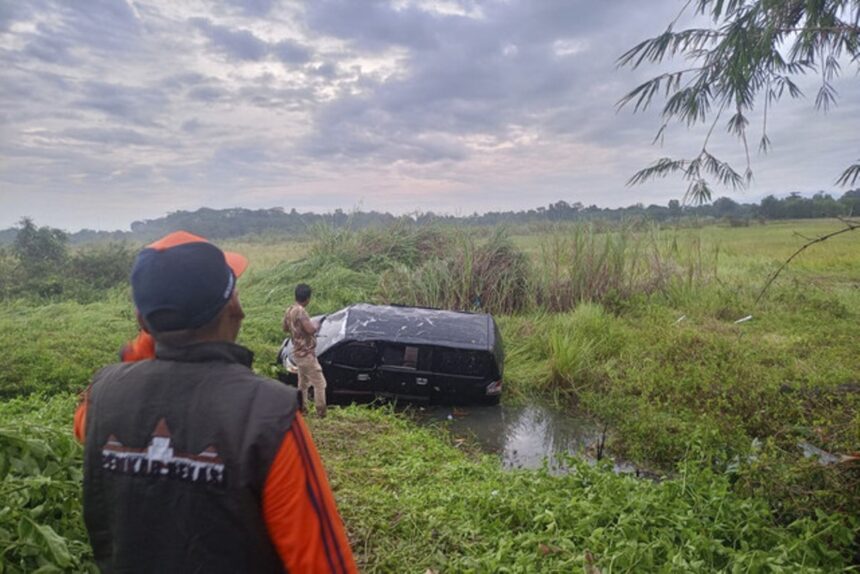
112 136
257 8
354 131
472 76
238 44
286 99
9 13
106 27
39 80
135 104
291 52
241 44
191 126
474 99
15 92
132 175
376 24
467 85
185 79
25 95
325 70
207 93
234 164
48 47
434 147
249 153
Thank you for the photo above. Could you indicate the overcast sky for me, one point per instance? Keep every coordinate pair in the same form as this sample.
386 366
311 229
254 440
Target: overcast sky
113 111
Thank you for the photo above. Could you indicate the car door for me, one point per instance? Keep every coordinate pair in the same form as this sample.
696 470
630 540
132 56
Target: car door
403 371
350 368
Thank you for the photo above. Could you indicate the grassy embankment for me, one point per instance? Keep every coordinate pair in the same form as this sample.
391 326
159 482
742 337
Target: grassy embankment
720 405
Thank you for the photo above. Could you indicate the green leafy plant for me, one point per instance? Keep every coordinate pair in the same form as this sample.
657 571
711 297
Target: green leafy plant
41 526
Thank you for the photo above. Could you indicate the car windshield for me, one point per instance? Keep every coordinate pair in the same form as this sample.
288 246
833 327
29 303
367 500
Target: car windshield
330 331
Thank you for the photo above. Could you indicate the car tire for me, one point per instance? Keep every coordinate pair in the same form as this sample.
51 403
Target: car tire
491 401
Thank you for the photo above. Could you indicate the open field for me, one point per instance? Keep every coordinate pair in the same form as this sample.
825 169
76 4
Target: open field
592 320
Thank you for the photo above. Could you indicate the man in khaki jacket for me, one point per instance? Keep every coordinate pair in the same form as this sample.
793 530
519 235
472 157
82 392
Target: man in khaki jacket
303 333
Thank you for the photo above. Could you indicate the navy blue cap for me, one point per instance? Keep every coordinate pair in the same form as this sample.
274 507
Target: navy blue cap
182 282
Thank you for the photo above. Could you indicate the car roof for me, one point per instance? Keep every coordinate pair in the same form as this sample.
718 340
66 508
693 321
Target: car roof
417 326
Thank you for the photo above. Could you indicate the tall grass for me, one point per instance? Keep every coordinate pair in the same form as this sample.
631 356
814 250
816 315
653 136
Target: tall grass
379 248
489 275
580 263
563 354
463 269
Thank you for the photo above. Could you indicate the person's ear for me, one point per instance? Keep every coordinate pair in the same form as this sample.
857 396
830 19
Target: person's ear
234 306
141 322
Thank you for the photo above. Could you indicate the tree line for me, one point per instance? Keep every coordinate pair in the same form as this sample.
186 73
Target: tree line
44 262
228 223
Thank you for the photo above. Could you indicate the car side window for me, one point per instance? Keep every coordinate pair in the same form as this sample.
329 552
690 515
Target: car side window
456 362
405 356
410 357
358 355
392 355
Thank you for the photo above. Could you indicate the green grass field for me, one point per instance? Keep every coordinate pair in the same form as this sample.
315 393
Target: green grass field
636 327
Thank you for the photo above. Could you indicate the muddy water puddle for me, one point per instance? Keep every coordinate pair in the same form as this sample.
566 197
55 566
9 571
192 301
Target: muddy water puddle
524 436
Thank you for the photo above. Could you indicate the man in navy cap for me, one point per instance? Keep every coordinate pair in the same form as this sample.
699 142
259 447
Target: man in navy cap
192 463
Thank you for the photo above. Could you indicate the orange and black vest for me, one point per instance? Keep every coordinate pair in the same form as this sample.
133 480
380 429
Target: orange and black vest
176 457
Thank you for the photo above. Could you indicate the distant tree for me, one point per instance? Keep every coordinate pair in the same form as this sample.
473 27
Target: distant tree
751 54
771 208
42 256
657 212
39 248
339 218
851 201
824 205
725 206
795 206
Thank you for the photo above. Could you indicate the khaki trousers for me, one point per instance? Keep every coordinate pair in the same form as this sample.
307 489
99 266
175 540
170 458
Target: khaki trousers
311 375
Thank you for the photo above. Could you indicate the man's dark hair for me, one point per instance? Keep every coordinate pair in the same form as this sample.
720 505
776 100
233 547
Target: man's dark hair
303 292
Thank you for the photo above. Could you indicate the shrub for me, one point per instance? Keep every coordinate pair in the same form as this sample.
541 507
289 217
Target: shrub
102 267
40 267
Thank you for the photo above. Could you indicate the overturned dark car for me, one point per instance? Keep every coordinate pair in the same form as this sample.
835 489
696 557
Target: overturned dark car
412 353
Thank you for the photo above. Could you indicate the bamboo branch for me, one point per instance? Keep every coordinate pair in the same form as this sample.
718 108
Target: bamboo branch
849 226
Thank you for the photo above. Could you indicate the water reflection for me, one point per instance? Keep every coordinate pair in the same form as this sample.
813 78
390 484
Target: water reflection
523 436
